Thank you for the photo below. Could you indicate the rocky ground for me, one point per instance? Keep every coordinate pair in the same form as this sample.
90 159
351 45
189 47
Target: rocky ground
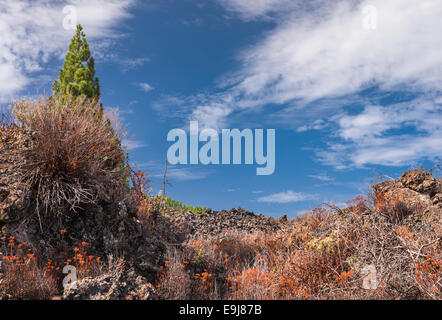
216 223
116 284
421 192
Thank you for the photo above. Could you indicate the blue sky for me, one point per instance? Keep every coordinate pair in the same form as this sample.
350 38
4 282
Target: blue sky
347 102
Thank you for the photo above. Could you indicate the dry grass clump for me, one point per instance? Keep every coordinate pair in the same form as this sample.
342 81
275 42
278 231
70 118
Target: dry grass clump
174 282
73 154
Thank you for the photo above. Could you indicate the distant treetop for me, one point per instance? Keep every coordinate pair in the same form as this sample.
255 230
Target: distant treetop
77 77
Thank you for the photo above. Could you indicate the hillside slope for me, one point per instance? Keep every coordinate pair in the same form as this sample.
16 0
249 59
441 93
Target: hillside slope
126 245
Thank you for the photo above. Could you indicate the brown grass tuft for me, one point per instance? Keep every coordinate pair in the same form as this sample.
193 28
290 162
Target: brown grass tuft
72 155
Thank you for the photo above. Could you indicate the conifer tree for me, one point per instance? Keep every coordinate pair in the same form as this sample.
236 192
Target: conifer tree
77 77
77 80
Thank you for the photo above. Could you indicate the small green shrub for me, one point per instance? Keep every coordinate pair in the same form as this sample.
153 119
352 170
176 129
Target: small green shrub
182 208
162 203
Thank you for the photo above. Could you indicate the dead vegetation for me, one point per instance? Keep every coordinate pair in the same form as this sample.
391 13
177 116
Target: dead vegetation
322 255
73 154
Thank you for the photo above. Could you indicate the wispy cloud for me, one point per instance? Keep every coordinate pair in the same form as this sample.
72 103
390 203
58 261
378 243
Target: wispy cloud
132 63
155 169
131 144
144 86
376 135
320 55
32 34
321 177
144 165
183 174
315 125
329 53
254 9
286 197
118 111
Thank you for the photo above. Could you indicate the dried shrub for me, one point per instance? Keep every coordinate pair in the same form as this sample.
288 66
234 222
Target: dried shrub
425 252
358 205
174 282
22 278
397 208
73 155
255 284
86 265
428 275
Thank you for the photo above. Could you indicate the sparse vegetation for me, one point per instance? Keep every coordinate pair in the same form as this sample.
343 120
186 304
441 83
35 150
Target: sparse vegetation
320 256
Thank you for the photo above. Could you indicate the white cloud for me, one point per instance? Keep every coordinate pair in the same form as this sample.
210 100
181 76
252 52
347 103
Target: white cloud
377 136
211 116
249 9
32 34
253 9
395 151
174 173
315 125
183 174
131 144
144 86
322 177
210 111
285 197
425 114
143 165
399 150
132 63
314 57
372 121
332 55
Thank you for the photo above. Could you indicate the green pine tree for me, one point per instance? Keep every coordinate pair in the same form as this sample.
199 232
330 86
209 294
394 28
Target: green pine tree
77 77
77 80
